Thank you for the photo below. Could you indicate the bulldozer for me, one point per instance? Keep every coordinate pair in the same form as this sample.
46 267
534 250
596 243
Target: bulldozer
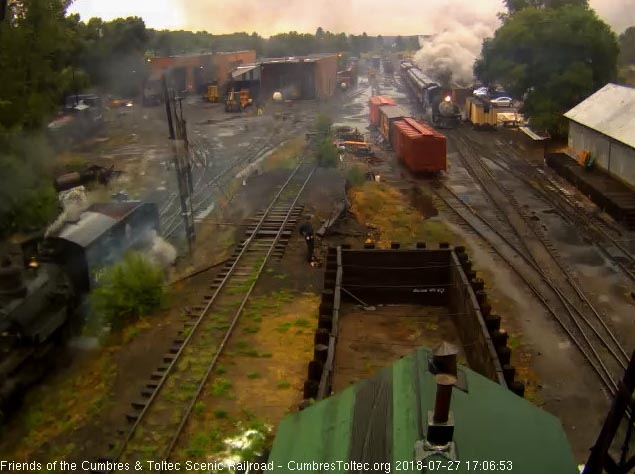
236 102
212 94
245 100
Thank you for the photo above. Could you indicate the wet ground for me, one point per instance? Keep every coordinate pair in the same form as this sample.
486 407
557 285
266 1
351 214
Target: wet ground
556 376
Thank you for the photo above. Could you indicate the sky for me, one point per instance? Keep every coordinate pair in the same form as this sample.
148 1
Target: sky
268 17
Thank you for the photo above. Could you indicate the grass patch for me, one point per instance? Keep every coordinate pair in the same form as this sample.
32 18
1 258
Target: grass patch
301 322
220 370
284 327
199 407
242 344
283 384
249 353
62 406
385 209
253 375
220 387
285 157
251 329
220 414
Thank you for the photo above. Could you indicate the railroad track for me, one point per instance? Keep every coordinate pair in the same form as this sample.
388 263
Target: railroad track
555 287
203 196
167 401
605 236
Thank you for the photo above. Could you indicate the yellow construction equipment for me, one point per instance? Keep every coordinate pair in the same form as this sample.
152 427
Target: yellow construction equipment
245 100
232 104
212 94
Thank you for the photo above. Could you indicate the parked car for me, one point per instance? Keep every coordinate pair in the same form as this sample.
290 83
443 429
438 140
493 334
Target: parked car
481 92
503 101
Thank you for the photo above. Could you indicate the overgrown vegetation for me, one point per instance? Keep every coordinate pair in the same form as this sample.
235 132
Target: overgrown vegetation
580 58
355 176
128 290
390 218
327 155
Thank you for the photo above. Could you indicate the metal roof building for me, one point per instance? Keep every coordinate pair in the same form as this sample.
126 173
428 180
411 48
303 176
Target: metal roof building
604 126
386 418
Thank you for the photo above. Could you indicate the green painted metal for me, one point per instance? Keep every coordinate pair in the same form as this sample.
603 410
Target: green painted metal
320 433
492 425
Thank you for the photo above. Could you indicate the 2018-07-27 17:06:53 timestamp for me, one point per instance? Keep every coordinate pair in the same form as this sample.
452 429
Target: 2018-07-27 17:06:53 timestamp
449 466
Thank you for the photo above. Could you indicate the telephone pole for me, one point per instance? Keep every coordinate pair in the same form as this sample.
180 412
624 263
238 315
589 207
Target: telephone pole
182 165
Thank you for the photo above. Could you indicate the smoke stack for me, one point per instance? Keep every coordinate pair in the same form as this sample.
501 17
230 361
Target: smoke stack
440 422
444 359
445 382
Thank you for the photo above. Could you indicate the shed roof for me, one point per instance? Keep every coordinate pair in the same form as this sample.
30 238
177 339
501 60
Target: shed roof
610 111
89 228
380 420
95 221
393 111
241 70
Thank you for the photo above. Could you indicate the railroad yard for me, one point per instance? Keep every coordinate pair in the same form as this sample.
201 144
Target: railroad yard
215 370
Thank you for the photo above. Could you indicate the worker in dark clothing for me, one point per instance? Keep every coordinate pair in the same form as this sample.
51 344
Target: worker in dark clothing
306 230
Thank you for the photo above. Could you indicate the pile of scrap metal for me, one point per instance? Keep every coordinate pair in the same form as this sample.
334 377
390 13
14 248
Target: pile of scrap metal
340 208
352 141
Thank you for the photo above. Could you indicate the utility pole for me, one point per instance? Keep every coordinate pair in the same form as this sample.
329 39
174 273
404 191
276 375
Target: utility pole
600 460
181 165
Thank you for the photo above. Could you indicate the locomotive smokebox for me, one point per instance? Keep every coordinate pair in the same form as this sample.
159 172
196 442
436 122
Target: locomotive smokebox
446 107
11 281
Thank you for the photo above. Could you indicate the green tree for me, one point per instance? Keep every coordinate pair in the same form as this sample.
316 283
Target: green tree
36 42
627 46
128 290
581 57
514 6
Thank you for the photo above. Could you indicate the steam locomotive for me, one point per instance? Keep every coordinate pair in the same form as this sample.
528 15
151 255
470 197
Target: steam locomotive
43 282
438 103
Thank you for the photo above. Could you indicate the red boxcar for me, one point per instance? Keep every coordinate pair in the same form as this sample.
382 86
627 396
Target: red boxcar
421 148
374 103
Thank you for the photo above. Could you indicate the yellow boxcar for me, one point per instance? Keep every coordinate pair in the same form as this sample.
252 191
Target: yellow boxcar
481 113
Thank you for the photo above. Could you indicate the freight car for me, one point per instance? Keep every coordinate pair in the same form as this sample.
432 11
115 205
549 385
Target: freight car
374 103
43 283
387 115
480 113
421 148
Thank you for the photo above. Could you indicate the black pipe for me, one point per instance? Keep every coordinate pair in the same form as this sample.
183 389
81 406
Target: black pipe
168 110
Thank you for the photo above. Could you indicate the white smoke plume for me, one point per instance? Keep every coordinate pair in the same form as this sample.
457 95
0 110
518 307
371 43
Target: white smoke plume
158 251
74 201
449 55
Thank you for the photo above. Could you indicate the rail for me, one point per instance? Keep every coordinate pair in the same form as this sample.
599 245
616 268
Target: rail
152 416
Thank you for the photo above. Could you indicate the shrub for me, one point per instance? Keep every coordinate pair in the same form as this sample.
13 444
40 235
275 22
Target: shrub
327 154
323 125
355 176
127 290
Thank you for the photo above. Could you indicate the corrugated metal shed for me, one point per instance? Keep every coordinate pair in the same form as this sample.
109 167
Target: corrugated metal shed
89 228
381 419
97 220
610 111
